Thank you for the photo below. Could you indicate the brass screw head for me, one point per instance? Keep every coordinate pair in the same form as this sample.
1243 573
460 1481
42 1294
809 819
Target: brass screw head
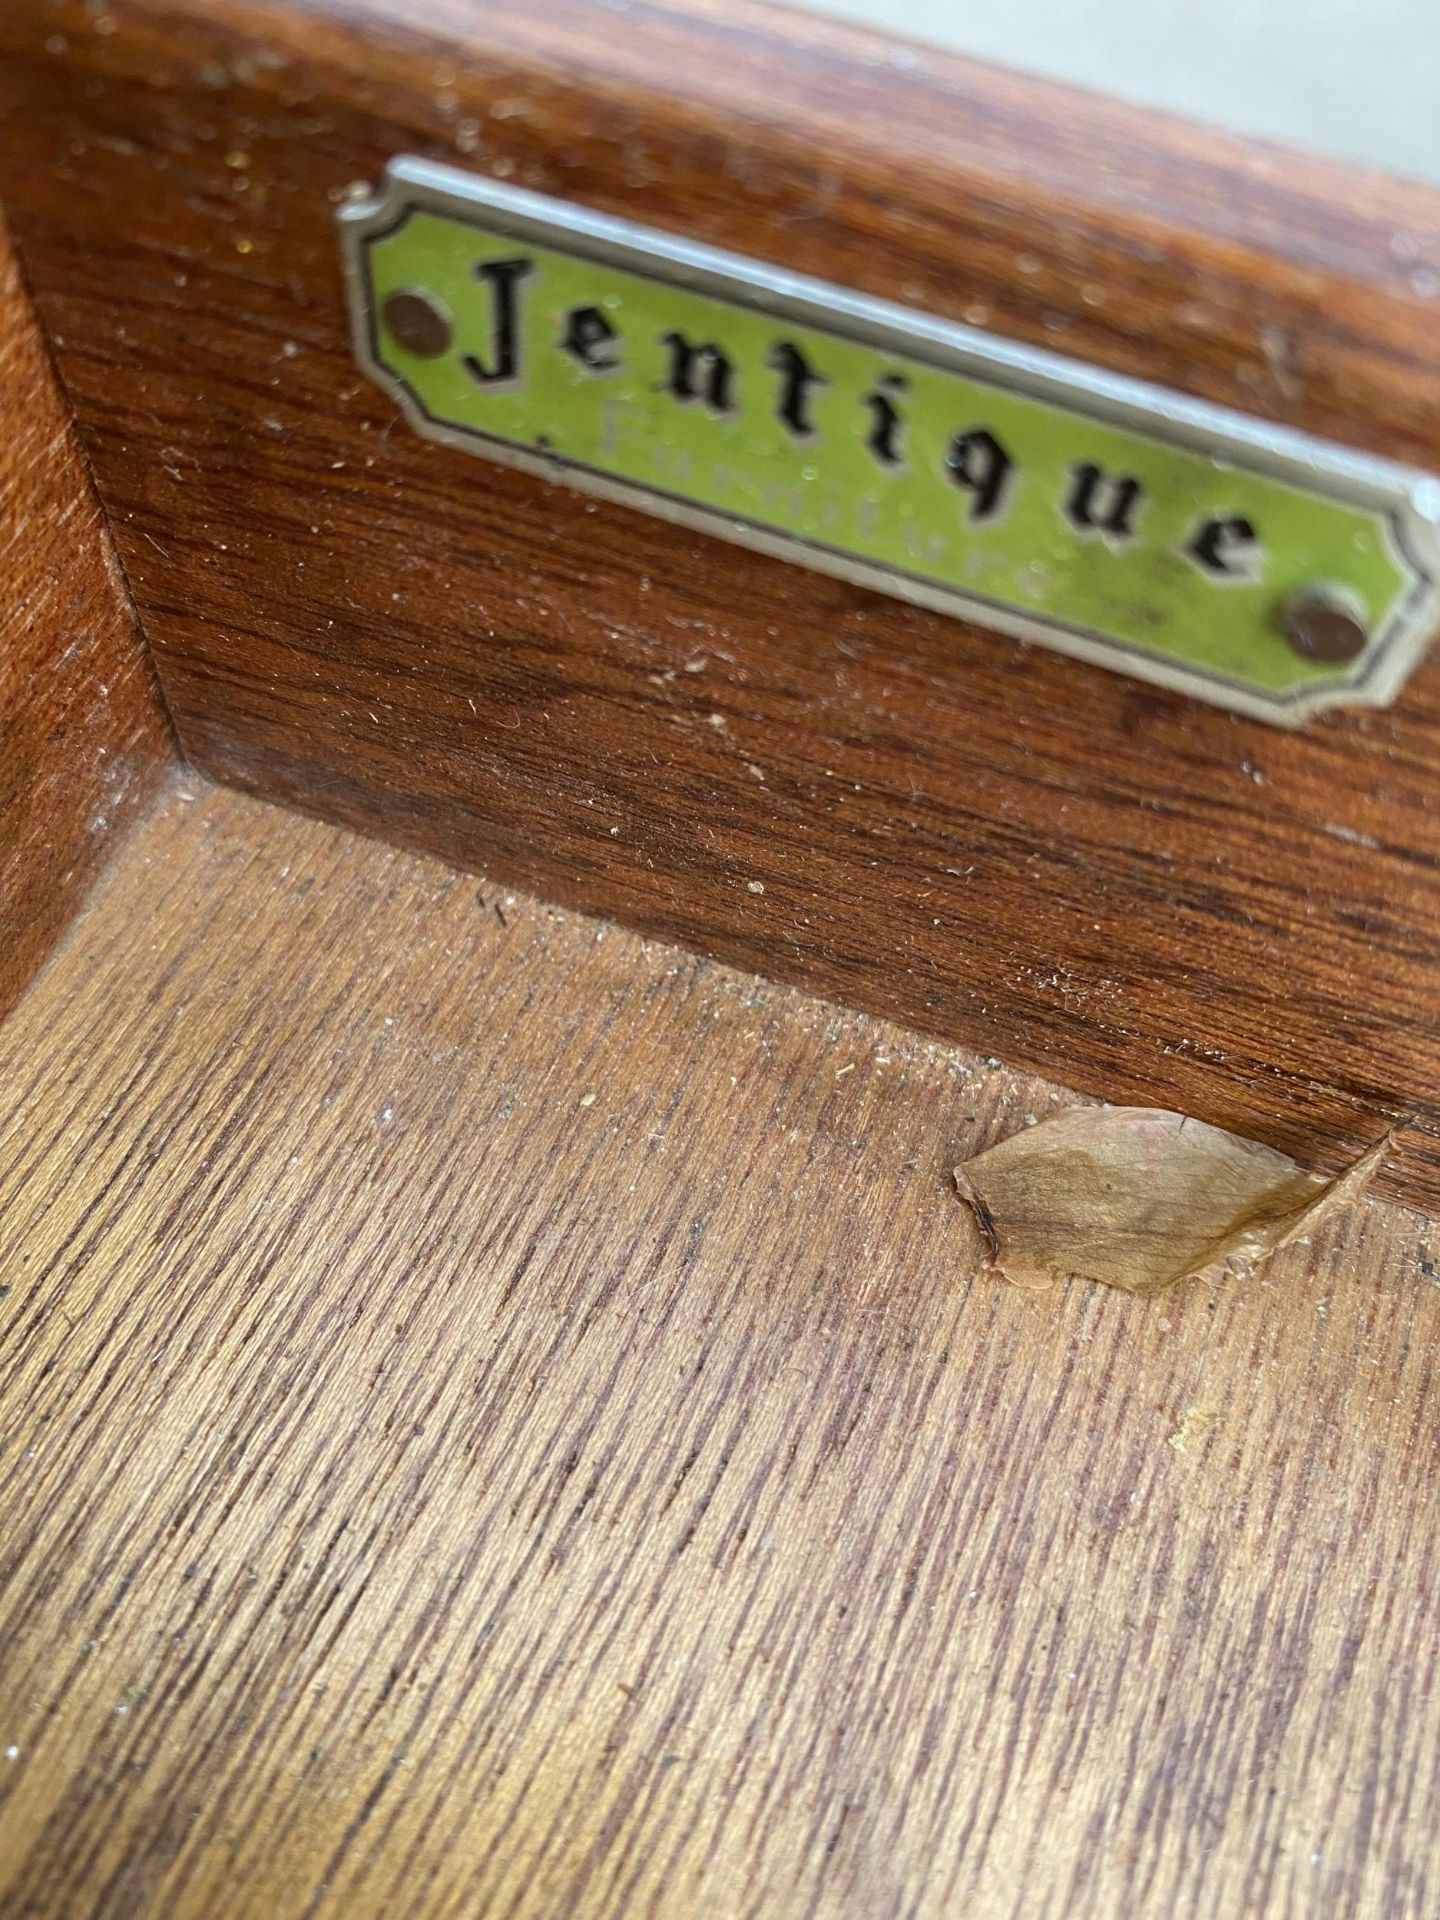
418 322
1322 624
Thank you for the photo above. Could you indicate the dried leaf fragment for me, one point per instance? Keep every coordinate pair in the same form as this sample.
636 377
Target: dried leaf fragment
1140 1198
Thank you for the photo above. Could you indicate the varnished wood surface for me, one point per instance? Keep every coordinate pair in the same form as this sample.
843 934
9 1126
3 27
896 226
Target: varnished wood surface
499 1418
84 745
1157 901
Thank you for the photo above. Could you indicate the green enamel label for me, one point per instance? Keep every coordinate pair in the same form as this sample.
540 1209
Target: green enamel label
1259 570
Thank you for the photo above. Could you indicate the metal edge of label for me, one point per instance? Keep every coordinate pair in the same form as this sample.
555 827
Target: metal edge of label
1408 498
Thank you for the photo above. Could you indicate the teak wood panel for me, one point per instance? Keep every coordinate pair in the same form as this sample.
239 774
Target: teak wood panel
1154 899
500 1418
84 745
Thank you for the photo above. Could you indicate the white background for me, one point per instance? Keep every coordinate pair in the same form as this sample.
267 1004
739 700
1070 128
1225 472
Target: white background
1354 77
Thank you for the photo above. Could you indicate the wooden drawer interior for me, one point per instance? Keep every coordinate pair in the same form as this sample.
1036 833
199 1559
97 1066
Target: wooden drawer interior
502 1411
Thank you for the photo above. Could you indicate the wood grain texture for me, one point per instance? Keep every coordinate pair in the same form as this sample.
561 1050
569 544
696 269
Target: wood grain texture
84 744
1159 902
500 1418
